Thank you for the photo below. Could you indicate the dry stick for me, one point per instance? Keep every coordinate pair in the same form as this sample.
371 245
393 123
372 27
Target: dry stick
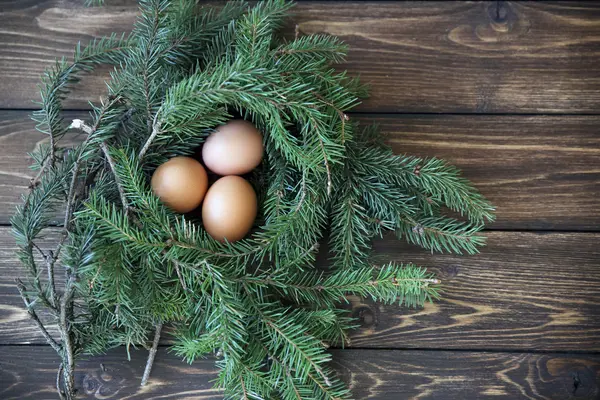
152 354
35 246
329 183
302 196
50 260
69 366
155 131
176 264
343 116
33 315
61 394
113 168
326 166
52 148
245 392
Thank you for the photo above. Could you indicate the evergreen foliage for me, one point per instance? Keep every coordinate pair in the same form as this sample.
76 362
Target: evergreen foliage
259 305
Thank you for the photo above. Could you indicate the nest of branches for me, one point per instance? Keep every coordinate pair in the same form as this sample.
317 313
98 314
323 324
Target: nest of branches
259 305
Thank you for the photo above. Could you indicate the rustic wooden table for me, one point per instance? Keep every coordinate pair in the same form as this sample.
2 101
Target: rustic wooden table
510 92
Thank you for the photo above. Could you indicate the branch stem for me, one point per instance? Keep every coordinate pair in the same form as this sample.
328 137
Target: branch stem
152 354
33 315
113 168
50 260
155 131
65 333
177 270
59 373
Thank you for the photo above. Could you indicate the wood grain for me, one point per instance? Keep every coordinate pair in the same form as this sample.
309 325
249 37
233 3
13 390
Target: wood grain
483 57
28 372
525 291
541 172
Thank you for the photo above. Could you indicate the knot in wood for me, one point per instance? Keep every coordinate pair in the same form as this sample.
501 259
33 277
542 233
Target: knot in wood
366 315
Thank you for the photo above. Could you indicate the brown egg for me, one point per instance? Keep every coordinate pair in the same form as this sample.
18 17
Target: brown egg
180 183
229 208
233 149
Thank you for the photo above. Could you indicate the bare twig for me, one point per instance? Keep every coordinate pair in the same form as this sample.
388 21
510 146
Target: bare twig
41 295
50 261
91 285
35 318
343 116
329 182
244 391
304 254
52 150
59 247
64 327
152 354
326 167
61 394
425 282
176 264
35 246
113 168
155 131
72 193
302 196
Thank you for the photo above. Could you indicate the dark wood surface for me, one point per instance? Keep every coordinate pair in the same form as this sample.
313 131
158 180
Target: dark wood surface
521 320
483 57
389 375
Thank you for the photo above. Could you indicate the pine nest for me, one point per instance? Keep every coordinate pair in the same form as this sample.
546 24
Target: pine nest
259 305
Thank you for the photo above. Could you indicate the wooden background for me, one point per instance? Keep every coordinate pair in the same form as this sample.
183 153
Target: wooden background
510 92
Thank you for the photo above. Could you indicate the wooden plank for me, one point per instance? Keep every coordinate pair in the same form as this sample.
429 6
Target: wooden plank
542 172
525 291
485 57
29 372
